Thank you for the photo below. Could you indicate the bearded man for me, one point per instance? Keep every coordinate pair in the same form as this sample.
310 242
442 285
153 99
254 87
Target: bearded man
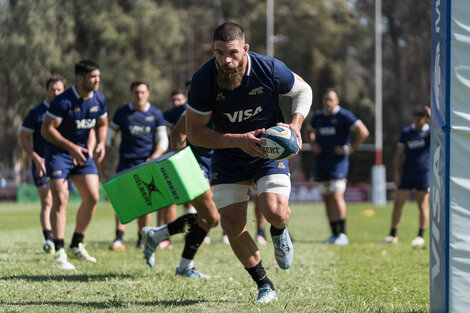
239 90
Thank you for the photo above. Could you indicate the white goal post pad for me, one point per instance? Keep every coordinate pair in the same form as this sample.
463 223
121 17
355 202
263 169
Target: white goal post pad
450 157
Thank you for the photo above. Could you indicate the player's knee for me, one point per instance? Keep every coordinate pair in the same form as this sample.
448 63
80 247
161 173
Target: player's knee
91 198
231 227
213 219
278 214
60 201
209 221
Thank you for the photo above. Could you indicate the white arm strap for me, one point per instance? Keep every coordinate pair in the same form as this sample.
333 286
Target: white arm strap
111 134
161 136
301 95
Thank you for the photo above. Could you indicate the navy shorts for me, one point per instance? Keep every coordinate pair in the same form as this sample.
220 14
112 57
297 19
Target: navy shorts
417 180
60 165
229 171
326 171
38 181
205 165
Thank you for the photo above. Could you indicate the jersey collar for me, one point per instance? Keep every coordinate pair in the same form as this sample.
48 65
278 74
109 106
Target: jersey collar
425 127
147 106
335 110
75 92
248 69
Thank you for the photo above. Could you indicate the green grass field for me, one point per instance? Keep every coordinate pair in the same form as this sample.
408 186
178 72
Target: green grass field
365 276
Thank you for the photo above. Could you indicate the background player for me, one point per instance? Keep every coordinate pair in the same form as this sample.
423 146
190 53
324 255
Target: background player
143 138
239 90
332 146
66 127
199 224
415 144
31 129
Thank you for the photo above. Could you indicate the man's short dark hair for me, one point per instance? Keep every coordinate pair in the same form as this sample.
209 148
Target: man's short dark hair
228 32
177 92
420 111
55 78
85 66
328 90
139 82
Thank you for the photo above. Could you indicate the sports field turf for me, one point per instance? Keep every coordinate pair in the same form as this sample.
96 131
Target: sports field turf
365 276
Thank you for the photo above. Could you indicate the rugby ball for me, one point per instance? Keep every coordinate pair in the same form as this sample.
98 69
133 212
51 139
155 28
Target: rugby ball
280 143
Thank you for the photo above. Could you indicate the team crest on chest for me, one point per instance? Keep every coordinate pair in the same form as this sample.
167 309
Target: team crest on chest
149 118
256 91
77 109
281 165
94 109
220 96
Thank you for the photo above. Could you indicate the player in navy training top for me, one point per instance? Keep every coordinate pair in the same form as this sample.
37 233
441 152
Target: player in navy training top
31 129
332 145
178 100
415 144
66 127
143 138
240 91
199 224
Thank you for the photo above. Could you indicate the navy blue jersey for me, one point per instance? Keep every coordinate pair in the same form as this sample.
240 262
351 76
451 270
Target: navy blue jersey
417 145
33 123
172 115
78 116
137 130
253 105
333 130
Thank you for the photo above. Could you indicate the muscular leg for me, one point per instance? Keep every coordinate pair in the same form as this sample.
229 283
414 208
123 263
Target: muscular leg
166 215
46 206
327 199
88 187
259 216
339 205
401 195
144 221
60 195
275 208
233 222
207 214
422 197
119 226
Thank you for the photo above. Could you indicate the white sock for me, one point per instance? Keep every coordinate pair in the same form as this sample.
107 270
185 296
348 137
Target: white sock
190 210
185 263
161 233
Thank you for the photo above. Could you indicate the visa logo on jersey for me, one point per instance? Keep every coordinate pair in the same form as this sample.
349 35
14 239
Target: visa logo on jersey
136 129
416 144
85 123
327 131
242 115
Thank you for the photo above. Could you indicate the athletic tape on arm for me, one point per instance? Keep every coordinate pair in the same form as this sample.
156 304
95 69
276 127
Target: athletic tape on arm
111 134
301 95
161 137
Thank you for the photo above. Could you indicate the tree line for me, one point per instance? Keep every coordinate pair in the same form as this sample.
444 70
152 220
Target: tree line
328 43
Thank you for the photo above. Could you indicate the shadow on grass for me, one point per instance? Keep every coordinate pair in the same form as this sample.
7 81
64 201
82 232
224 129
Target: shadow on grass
110 303
73 277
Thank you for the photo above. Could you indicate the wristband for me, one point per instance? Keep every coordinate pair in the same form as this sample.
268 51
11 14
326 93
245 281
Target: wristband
347 149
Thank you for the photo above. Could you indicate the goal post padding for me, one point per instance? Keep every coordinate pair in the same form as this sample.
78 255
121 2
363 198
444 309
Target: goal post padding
450 157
